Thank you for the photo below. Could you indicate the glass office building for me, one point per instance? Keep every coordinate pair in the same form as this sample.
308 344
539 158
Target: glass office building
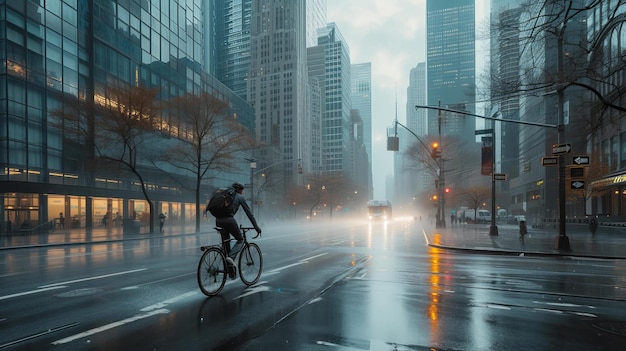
54 49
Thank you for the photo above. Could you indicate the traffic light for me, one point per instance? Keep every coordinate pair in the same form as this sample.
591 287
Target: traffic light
435 152
447 190
299 168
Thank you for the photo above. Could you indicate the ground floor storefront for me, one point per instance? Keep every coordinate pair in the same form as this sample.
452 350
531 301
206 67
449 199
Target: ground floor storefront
43 212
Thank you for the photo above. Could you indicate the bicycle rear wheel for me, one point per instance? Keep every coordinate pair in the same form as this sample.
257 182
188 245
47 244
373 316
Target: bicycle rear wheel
212 271
250 264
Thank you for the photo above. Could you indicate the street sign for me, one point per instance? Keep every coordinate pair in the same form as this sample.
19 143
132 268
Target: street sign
549 161
499 176
581 159
558 149
483 131
577 172
578 184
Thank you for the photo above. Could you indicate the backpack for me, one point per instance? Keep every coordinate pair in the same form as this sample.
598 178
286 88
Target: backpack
222 203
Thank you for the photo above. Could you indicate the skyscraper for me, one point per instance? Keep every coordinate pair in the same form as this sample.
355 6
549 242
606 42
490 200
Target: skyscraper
361 82
411 180
336 121
228 27
277 86
450 61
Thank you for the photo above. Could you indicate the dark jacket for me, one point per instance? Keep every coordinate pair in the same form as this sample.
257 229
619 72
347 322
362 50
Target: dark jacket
240 201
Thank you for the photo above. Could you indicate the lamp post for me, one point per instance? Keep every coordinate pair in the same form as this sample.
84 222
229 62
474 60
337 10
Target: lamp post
252 167
562 241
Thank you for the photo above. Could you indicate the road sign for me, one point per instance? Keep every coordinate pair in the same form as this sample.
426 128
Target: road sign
578 184
577 172
549 161
483 131
499 176
581 159
558 149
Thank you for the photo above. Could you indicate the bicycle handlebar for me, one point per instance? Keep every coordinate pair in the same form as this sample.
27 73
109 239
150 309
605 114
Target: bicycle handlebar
246 229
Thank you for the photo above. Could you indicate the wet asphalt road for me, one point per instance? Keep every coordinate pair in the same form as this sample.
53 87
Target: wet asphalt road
336 285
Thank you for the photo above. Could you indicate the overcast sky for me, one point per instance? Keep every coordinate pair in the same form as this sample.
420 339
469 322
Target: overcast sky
392 36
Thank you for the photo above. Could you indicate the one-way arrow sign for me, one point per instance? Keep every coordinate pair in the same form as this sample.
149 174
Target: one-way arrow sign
549 161
561 149
578 184
581 160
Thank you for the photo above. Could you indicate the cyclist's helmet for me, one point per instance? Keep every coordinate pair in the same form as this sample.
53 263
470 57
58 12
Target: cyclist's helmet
238 186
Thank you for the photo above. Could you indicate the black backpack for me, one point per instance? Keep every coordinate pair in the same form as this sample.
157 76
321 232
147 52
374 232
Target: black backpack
222 203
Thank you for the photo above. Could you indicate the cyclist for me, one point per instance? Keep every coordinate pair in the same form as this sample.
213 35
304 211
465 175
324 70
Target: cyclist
230 226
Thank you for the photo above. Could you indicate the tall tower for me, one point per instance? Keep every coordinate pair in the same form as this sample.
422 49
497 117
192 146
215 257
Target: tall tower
361 81
229 24
315 19
336 121
416 95
450 47
277 80
411 181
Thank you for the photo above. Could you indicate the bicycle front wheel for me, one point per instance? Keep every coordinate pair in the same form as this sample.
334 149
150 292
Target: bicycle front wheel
212 271
250 264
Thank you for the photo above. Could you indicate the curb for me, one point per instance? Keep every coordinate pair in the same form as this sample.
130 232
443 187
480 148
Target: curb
523 253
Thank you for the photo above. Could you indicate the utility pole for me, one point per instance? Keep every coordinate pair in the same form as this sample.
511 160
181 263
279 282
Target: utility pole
562 241
441 207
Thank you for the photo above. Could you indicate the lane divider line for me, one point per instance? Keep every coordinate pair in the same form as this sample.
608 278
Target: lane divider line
94 278
31 292
110 326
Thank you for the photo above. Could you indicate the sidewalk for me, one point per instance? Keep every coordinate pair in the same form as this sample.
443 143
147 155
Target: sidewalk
83 235
609 243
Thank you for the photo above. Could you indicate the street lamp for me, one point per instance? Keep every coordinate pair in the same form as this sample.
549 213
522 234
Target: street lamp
252 167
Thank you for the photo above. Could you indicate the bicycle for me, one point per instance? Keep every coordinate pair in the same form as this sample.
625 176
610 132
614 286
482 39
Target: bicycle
213 268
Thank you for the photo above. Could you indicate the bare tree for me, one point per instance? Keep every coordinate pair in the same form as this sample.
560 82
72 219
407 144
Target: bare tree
207 139
542 25
117 123
475 197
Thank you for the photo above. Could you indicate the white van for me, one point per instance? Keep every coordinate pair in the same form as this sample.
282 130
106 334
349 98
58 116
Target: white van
483 216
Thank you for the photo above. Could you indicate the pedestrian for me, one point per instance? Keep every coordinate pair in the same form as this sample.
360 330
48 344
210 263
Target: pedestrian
593 225
161 222
61 221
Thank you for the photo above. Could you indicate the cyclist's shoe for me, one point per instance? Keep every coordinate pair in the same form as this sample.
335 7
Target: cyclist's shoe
232 269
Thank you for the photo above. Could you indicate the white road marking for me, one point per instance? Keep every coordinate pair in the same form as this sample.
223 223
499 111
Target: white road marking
31 292
109 326
174 299
302 261
152 310
253 290
94 278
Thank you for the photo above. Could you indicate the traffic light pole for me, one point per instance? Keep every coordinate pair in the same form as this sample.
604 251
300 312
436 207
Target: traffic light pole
440 180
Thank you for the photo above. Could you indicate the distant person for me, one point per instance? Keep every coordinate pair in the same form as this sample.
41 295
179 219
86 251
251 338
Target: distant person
61 221
230 226
161 222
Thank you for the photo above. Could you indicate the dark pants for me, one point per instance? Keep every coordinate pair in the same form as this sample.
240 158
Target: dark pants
230 227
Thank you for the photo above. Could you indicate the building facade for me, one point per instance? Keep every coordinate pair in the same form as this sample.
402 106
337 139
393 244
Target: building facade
60 49
361 85
450 65
336 121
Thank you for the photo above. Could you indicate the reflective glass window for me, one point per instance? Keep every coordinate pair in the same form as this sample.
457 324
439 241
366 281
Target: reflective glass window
54 7
17 154
53 22
35 156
